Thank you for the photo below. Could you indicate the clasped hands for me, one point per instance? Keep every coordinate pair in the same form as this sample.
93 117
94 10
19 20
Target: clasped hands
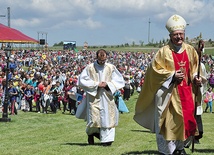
102 84
179 76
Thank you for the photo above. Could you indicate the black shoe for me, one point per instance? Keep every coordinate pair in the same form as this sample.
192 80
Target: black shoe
106 144
179 152
196 141
90 139
97 135
183 152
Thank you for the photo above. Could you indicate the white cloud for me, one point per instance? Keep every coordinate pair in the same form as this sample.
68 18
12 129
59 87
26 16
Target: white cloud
64 8
50 12
192 14
22 22
57 12
128 4
129 8
55 16
90 23
84 23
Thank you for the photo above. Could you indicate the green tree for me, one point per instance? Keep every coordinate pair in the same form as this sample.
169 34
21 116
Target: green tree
200 36
141 43
133 44
58 44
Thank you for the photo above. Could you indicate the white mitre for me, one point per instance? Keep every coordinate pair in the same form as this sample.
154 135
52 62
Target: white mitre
175 22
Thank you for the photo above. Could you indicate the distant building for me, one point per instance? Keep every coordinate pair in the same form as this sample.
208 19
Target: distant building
85 45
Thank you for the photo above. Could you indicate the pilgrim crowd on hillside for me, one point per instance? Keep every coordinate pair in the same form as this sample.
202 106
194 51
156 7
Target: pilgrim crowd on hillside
45 82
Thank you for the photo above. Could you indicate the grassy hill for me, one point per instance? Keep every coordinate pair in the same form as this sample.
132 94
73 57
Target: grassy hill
208 50
63 134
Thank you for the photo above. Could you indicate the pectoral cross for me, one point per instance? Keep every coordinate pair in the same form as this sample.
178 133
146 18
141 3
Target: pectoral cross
182 68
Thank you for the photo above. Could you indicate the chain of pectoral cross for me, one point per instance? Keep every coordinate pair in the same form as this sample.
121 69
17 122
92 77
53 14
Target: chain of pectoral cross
181 64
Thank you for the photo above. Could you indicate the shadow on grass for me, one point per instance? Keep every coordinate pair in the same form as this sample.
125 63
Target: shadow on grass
82 144
152 152
148 152
141 131
136 97
204 150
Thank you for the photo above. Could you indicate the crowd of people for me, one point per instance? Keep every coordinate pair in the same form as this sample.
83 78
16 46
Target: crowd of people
47 80
44 79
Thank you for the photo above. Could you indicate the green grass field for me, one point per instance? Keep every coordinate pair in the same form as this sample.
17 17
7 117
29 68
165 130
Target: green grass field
208 50
30 133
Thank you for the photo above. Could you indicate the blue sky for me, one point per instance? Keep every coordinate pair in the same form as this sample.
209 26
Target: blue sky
106 22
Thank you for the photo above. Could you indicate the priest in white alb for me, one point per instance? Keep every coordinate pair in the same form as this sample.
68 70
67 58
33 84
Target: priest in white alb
100 80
